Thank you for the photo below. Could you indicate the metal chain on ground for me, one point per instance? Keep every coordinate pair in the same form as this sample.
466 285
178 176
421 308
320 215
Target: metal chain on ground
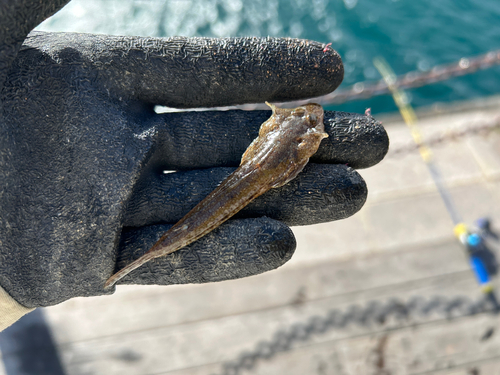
483 128
374 313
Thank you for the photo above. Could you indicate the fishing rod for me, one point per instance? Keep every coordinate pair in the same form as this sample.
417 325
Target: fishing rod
473 238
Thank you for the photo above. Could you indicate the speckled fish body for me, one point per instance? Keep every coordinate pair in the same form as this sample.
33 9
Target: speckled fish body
283 147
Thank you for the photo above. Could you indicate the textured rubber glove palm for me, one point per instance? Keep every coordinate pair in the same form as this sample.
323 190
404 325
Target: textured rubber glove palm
82 154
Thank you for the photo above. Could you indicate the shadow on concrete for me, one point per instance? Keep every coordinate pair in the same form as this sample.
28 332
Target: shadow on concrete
28 348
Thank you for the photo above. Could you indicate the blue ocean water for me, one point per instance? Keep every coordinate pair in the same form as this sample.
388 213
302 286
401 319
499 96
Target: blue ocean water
409 34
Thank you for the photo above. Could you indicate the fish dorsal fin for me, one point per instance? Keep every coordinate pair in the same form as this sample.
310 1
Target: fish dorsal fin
273 107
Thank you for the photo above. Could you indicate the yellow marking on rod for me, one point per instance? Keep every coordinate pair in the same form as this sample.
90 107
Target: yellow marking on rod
407 112
487 288
410 118
460 229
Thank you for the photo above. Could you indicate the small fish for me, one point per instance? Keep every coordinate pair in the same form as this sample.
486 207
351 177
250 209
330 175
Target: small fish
283 147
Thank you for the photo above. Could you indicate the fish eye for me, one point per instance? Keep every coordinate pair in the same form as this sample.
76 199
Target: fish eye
299 111
312 119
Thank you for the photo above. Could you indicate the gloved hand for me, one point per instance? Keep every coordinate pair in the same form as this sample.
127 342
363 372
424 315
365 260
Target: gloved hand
82 154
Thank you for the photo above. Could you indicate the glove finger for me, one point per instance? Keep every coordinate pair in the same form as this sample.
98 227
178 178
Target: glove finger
199 72
321 193
357 140
238 248
192 140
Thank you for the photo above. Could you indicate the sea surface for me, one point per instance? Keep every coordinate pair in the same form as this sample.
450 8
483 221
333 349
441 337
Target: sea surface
409 34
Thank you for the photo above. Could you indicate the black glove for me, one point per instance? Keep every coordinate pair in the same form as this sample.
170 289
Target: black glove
82 154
